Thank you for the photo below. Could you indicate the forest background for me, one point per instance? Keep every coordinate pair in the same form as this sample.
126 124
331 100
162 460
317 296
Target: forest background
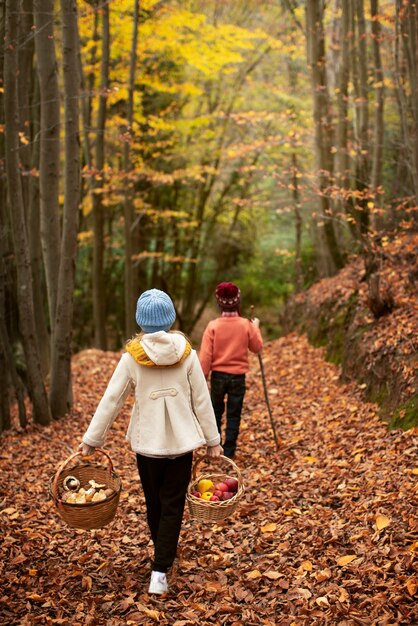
176 144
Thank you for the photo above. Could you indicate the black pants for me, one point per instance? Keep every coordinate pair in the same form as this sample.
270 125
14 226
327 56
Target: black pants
232 386
165 483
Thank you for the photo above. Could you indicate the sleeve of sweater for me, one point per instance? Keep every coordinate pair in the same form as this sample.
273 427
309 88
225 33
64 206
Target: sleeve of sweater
255 341
206 350
202 403
110 404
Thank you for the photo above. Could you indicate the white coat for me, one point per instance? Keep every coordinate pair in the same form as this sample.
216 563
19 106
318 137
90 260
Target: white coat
172 412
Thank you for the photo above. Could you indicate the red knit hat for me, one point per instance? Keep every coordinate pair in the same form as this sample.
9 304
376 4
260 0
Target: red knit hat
228 296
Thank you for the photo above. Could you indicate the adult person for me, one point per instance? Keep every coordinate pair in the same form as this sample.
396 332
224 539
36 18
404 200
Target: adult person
223 355
172 416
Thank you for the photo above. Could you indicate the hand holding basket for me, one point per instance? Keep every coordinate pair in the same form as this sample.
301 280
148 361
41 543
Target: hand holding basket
204 510
91 514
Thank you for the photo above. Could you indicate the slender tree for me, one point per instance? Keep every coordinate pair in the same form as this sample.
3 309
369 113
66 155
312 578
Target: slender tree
99 289
49 158
60 395
323 128
407 25
362 136
342 162
37 391
130 283
379 87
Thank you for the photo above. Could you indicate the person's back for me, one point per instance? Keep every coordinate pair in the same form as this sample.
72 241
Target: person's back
225 345
224 352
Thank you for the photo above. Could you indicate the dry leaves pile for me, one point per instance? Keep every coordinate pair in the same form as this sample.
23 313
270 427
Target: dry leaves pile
326 533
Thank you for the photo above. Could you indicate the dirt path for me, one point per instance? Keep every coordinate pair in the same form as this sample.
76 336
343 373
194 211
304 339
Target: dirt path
326 533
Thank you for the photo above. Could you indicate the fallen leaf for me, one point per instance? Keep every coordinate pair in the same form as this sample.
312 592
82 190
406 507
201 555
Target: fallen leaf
255 573
382 521
323 574
268 528
345 560
9 511
344 596
322 601
412 585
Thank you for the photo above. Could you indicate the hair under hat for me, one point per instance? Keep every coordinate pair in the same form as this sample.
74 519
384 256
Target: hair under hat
228 296
155 311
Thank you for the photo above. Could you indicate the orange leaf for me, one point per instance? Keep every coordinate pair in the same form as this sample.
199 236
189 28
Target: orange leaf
344 596
412 586
382 522
324 574
306 565
255 573
345 560
269 528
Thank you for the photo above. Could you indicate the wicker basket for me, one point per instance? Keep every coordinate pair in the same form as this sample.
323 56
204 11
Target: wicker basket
207 511
92 514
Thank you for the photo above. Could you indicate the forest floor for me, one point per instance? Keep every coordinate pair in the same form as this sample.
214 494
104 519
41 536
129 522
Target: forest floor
326 533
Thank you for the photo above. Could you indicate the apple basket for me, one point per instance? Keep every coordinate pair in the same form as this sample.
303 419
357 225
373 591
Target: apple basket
89 514
205 510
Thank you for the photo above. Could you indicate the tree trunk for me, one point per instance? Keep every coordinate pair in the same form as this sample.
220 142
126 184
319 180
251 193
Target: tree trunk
377 157
99 289
298 225
362 122
130 283
60 397
407 23
37 391
342 159
35 246
49 161
333 258
25 85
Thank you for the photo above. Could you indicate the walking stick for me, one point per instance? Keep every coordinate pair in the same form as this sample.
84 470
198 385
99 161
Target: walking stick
266 397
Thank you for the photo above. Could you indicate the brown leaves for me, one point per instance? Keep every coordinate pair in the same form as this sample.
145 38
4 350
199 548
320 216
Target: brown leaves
326 533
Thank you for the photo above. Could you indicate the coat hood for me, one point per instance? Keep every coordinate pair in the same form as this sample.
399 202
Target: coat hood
160 349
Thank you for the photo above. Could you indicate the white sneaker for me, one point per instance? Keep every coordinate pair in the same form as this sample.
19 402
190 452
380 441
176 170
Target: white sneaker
158 583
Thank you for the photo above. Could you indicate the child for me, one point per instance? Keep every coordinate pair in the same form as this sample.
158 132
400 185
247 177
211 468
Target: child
172 415
224 352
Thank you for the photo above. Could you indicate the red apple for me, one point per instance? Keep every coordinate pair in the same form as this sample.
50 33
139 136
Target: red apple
221 487
232 484
227 495
218 493
196 494
214 498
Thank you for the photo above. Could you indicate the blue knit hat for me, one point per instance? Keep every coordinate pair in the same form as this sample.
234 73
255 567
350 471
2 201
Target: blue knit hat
155 311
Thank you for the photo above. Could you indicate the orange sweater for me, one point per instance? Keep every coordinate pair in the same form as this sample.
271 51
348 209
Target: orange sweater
225 345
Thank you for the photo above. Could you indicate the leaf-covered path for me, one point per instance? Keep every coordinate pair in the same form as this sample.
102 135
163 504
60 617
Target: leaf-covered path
326 534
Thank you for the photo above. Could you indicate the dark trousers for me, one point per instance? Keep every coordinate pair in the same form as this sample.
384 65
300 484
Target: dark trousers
232 386
165 483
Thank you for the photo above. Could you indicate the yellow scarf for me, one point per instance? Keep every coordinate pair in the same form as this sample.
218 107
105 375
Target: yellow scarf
138 353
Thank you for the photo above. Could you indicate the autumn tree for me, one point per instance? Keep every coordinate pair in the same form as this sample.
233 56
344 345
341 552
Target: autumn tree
17 218
60 394
323 129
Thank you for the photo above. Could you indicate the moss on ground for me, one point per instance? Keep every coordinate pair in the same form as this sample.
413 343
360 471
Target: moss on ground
406 415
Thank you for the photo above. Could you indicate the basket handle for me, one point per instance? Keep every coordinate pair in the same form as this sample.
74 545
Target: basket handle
223 458
65 463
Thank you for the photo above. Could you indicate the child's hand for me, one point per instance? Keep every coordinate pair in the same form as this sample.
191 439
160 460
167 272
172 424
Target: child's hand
85 449
256 322
214 452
